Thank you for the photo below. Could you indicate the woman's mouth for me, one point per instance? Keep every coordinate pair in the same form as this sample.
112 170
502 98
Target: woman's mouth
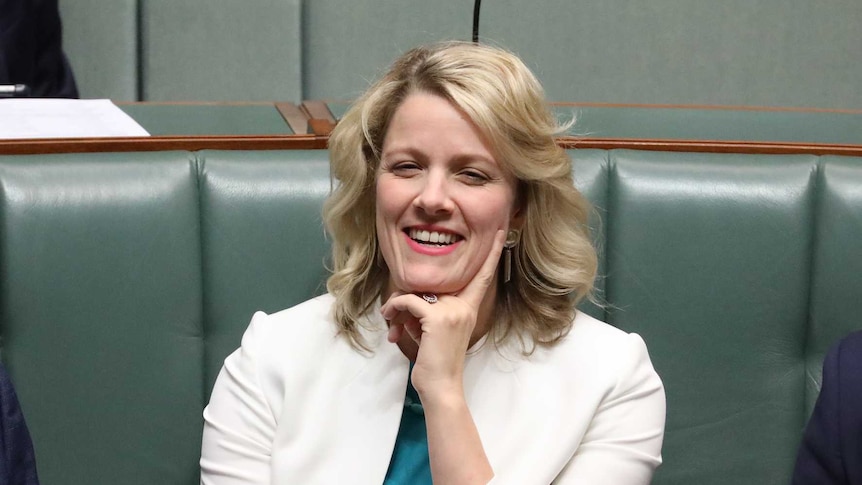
435 238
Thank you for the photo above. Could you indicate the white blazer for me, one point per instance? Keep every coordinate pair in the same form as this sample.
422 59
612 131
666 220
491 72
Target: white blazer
296 404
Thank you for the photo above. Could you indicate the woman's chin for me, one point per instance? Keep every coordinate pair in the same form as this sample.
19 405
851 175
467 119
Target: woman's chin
426 286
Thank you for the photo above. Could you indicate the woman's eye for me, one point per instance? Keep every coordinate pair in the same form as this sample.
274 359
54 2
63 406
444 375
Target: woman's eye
474 177
405 168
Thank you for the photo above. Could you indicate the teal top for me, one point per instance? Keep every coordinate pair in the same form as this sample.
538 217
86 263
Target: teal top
410 463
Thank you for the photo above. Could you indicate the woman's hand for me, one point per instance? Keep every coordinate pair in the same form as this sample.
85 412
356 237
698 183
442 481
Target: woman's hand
445 330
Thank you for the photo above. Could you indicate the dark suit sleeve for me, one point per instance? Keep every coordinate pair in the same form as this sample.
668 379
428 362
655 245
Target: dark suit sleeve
18 464
53 75
831 447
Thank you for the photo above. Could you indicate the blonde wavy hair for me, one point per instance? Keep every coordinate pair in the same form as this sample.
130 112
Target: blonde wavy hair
555 262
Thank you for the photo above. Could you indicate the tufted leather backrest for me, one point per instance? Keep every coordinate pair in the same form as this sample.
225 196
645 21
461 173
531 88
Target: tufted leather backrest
126 278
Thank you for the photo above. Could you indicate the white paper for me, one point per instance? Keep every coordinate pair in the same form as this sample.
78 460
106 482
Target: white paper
65 118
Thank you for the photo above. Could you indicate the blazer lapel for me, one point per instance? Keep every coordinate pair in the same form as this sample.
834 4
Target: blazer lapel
370 413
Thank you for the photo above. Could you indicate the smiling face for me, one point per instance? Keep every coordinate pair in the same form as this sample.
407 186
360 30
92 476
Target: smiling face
441 197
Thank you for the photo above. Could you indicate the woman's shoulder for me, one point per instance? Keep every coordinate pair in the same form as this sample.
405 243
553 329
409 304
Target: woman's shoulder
601 348
311 316
304 329
588 331
305 314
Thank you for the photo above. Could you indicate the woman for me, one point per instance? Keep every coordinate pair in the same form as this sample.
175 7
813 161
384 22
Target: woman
448 346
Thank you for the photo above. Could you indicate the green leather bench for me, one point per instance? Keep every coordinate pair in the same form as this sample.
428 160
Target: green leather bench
126 278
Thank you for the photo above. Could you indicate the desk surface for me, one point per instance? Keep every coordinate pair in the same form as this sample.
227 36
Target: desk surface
208 119
193 126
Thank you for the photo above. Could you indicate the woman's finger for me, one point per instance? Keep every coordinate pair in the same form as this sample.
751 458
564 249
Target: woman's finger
402 311
404 302
396 330
413 328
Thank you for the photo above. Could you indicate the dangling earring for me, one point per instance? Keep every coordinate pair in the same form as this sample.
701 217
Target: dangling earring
511 241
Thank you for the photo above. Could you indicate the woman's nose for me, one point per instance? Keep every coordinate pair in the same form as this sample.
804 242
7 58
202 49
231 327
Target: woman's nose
434 197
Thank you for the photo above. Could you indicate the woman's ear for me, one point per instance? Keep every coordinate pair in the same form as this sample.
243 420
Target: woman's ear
519 210
517 219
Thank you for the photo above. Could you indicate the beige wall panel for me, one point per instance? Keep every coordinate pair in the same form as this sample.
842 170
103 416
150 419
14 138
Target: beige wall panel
348 44
226 50
803 53
100 40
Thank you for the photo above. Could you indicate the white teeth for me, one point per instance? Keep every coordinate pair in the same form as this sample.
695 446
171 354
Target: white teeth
432 237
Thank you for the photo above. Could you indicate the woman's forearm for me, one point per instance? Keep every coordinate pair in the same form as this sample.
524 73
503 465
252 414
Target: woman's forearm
454 446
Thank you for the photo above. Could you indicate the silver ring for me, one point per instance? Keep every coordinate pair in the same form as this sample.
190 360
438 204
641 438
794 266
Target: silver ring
429 297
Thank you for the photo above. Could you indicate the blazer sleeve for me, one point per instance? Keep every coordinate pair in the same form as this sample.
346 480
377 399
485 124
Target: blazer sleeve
834 424
622 445
239 424
18 463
